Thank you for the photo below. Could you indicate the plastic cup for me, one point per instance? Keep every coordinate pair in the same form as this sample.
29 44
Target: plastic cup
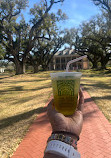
65 90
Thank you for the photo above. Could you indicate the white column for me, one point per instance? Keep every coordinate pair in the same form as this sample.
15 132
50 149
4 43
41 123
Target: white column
54 63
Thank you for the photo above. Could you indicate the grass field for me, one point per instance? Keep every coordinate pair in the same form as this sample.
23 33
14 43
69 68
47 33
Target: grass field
98 84
22 98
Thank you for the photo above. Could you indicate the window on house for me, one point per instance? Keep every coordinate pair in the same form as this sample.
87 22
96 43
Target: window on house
68 59
57 60
79 66
57 67
62 60
63 66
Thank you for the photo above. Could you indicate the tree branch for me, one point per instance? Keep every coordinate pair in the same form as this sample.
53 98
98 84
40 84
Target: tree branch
10 14
46 3
42 37
38 23
58 1
16 13
104 3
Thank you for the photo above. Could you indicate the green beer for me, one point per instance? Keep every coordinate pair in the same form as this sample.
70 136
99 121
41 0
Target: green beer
65 90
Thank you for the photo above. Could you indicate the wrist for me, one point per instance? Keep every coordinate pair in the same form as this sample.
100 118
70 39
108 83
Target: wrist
57 144
61 149
66 138
72 135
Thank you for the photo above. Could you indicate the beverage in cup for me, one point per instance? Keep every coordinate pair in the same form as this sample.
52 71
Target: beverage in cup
65 90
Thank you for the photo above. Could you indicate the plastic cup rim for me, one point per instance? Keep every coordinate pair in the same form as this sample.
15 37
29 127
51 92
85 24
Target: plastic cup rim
63 74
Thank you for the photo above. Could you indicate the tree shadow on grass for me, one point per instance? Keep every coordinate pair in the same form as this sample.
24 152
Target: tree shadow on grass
3 76
100 73
97 98
26 99
25 81
11 89
41 87
21 89
32 80
14 119
98 85
102 85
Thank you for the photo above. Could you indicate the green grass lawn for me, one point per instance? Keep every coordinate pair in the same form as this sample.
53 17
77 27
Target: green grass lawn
22 98
98 84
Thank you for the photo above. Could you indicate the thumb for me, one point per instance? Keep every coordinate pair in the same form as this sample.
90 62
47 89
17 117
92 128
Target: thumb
81 101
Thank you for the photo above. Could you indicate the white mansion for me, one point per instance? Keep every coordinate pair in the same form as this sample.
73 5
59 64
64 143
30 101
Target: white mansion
61 58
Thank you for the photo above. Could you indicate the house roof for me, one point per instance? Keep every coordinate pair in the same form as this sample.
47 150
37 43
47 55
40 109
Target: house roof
67 51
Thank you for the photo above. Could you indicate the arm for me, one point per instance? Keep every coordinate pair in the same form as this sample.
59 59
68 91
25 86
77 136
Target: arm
70 126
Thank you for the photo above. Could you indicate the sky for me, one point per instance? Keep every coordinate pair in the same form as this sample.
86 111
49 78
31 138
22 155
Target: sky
76 10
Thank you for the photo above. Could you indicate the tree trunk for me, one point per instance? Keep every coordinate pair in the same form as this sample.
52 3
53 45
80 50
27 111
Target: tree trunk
94 60
103 65
45 67
94 65
104 61
23 67
20 68
35 68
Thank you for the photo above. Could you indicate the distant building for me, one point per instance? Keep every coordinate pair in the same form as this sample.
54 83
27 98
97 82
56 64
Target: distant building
61 59
2 69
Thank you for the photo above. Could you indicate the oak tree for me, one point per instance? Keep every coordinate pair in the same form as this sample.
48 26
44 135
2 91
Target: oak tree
18 38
